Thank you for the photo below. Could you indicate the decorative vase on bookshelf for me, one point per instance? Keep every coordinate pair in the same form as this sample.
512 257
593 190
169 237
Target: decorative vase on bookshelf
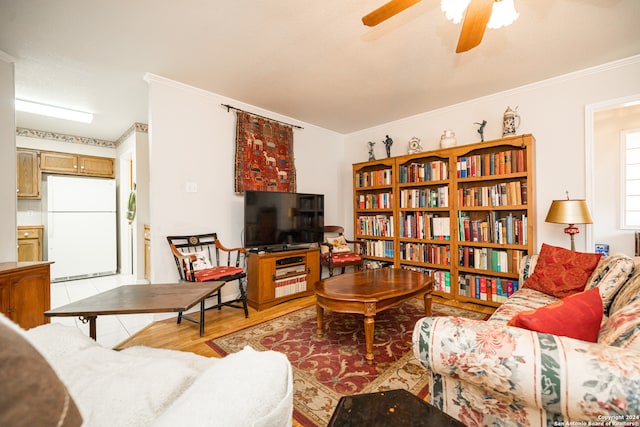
448 139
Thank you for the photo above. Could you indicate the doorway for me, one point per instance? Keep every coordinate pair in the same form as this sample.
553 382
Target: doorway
604 121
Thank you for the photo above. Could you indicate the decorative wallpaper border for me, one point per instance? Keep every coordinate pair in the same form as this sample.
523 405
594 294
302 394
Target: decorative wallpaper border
136 127
34 133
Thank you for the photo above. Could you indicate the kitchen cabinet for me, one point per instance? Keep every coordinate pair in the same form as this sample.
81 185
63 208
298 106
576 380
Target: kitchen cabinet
27 174
24 292
76 164
30 242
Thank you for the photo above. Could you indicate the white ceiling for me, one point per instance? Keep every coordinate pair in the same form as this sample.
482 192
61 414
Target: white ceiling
312 61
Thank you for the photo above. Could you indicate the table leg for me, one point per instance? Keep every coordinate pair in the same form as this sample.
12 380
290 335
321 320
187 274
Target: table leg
92 324
319 321
368 337
427 304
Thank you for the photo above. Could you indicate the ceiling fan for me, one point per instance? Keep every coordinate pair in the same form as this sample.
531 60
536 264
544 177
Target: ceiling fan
473 27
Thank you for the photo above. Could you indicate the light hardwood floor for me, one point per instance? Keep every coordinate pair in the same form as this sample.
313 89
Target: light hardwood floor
185 337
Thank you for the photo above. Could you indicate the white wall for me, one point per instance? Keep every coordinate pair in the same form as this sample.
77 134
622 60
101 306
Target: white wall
8 231
133 153
551 110
192 139
607 190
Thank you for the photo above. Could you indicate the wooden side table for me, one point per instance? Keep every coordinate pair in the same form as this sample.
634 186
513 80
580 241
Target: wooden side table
393 408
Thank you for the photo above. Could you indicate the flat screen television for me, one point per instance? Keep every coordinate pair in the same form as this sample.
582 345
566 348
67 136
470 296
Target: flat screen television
280 221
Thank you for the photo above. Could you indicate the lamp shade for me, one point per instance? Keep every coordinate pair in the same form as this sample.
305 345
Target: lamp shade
569 212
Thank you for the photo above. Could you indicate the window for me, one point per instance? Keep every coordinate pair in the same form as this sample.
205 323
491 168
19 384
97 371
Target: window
630 149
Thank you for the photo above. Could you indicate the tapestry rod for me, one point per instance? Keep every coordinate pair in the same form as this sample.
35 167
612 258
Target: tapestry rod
229 107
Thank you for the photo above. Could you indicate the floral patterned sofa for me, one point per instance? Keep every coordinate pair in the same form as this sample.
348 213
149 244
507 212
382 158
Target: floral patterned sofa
488 373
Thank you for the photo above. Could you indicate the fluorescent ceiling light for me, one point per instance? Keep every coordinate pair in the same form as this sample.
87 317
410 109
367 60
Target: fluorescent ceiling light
52 111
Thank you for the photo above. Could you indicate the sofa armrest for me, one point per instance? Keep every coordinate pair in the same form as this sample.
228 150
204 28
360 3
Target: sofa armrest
526 369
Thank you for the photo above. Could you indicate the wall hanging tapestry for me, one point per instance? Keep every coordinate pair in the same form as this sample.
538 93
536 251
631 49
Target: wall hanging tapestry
264 155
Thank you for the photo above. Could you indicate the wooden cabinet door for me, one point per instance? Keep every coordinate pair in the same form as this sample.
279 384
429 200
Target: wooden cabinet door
30 299
24 294
28 174
29 243
64 163
96 166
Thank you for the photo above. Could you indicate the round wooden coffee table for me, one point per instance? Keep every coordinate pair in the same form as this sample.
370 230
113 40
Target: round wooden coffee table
370 292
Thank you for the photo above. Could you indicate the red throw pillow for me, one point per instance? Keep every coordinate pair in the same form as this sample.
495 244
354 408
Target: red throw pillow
561 272
577 316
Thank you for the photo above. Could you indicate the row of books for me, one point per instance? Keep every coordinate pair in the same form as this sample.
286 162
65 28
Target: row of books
375 225
290 285
505 162
486 288
441 278
425 198
436 170
424 225
512 193
374 178
378 248
425 252
510 230
500 260
375 201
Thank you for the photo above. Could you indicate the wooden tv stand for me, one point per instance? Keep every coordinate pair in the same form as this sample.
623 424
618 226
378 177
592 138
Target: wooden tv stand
275 277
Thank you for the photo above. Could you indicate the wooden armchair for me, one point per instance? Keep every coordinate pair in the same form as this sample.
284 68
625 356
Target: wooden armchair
338 252
202 258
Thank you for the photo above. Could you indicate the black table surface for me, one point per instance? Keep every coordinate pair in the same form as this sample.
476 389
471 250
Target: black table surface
393 408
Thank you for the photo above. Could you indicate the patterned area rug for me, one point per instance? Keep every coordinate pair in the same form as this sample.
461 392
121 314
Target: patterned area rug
332 366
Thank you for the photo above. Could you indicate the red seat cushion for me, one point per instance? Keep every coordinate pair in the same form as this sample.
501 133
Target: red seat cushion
343 258
215 273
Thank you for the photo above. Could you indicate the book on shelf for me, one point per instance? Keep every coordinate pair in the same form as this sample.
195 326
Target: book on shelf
378 248
425 197
374 178
486 288
436 170
499 163
375 225
501 194
441 278
290 285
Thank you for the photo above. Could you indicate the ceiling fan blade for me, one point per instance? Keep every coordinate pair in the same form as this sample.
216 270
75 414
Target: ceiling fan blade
386 11
474 25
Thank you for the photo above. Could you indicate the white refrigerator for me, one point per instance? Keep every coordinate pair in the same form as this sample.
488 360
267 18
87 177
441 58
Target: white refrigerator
81 227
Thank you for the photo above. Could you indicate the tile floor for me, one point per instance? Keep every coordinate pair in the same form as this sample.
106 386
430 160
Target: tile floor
111 330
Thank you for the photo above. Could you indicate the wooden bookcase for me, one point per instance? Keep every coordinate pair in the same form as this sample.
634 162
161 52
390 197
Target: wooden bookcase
464 215
275 277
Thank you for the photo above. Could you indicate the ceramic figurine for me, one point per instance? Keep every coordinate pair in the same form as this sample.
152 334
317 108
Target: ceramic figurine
510 121
371 155
448 139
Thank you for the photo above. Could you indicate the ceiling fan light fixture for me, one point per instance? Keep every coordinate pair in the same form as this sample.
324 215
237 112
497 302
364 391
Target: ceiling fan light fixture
454 9
503 14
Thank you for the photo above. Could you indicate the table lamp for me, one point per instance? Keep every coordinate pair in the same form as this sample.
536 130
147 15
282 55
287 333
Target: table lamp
569 212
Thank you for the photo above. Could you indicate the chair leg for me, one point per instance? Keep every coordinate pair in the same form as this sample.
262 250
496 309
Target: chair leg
343 269
243 296
219 300
201 317
179 318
